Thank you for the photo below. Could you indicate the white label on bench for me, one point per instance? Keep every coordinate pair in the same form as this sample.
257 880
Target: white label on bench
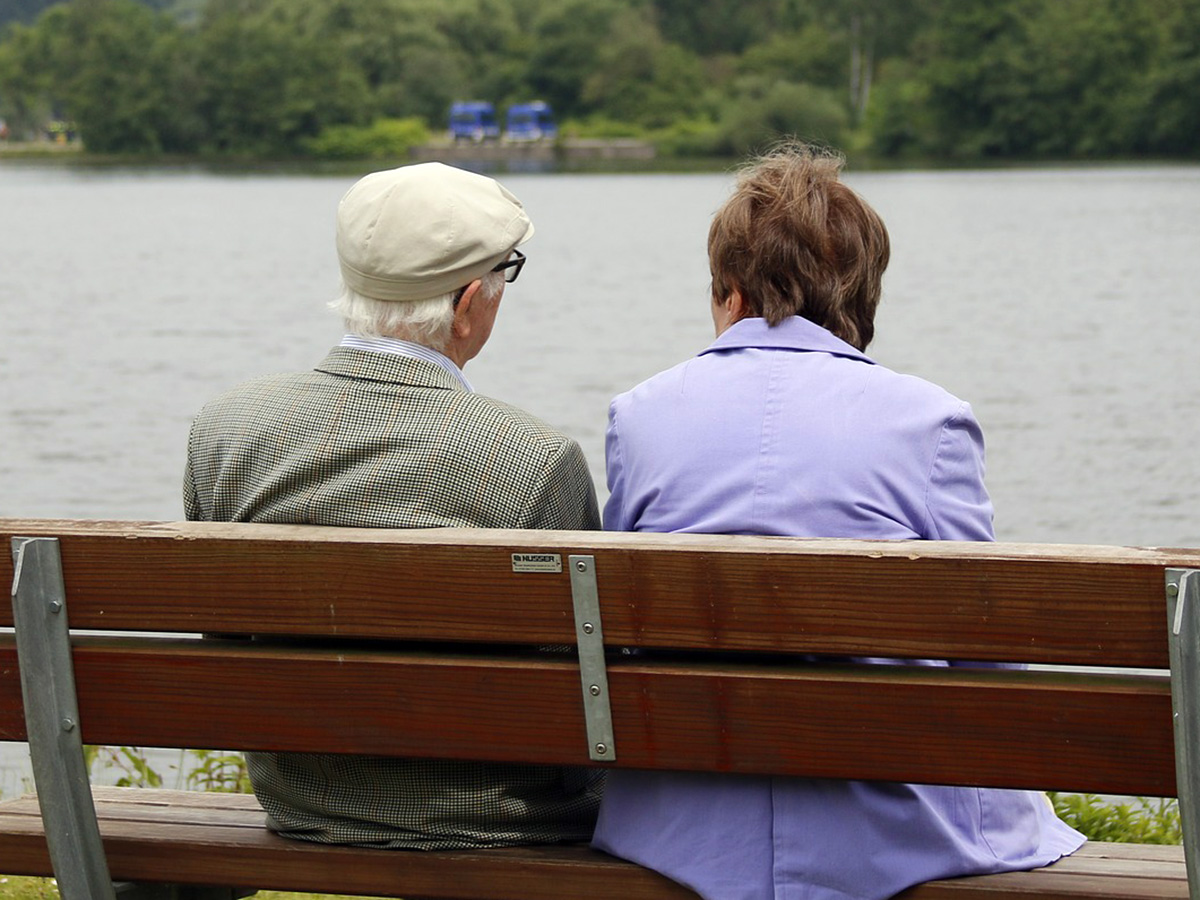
536 562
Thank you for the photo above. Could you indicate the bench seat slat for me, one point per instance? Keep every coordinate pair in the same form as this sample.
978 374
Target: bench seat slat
144 840
1041 884
166 844
1077 605
1114 733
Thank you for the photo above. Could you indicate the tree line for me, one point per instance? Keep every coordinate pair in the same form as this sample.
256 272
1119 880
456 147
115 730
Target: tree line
948 79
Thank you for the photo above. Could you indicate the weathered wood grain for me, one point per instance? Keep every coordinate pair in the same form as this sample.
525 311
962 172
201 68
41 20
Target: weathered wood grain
1104 733
184 845
1031 603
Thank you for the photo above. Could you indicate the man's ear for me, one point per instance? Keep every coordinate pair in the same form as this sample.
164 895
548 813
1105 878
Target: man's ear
461 326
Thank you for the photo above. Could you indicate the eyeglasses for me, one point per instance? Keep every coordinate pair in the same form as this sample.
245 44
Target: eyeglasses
512 268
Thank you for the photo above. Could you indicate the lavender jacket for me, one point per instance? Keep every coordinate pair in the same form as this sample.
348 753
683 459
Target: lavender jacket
789 430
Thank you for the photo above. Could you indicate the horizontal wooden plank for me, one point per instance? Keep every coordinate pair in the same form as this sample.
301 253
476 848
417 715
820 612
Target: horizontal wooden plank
1041 885
1032 603
170 846
160 835
1103 733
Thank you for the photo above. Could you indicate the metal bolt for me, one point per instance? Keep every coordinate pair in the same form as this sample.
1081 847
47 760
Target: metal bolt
594 690
601 749
581 566
55 606
588 627
68 724
1172 590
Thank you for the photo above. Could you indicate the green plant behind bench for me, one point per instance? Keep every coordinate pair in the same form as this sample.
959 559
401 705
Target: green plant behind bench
1141 820
211 770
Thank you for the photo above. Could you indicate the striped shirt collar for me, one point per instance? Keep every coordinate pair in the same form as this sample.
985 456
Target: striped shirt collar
407 348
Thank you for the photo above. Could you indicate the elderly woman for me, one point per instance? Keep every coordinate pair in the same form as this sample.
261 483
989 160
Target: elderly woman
783 426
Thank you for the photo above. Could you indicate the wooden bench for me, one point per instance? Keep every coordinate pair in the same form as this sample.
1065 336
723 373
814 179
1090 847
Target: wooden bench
410 643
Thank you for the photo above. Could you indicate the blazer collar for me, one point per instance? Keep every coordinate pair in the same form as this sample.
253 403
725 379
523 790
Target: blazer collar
793 333
387 368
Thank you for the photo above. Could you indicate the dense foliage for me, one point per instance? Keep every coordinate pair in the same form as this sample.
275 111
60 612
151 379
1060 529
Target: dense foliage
966 79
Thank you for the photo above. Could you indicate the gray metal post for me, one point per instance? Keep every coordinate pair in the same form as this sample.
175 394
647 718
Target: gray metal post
52 721
1183 620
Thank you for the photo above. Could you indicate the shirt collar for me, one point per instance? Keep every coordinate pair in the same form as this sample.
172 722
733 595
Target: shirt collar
396 347
793 333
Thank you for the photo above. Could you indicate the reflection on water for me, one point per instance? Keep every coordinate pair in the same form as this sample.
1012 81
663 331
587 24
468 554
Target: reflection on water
1061 303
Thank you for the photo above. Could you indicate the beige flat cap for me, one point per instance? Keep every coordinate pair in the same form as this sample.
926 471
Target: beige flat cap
425 230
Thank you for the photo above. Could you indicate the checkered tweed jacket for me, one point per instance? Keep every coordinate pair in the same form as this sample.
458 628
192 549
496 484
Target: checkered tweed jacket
370 439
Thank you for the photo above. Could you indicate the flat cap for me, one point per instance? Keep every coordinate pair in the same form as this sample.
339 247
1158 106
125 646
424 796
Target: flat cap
424 230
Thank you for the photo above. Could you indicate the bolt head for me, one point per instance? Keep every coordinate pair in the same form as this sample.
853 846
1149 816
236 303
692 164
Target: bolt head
601 749
594 690
55 606
588 627
1172 590
68 724
581 566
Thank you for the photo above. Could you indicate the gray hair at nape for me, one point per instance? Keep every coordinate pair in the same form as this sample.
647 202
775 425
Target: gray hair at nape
425 322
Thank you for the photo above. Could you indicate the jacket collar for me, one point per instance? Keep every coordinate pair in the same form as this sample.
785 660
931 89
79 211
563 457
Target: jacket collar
793 333
365 365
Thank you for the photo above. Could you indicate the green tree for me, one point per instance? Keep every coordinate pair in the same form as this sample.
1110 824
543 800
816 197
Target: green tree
811 54
566 43
113 67
641 78
1170 120
1038 78
711 27
269 84
121 96
975 53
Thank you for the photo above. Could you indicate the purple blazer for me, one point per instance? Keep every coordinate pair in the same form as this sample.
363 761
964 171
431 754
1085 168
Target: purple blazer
789 430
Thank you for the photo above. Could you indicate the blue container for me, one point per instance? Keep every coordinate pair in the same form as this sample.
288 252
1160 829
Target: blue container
474 120
530 122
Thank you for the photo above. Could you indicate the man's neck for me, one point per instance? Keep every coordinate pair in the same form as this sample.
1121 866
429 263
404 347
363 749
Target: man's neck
411 349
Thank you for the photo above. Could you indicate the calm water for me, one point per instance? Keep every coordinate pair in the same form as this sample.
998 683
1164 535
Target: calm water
1062 303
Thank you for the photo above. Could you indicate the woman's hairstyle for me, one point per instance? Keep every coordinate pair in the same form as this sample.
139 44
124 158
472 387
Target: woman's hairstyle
425 322
795 241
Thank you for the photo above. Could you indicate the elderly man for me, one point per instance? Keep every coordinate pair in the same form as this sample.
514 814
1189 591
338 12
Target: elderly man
387 433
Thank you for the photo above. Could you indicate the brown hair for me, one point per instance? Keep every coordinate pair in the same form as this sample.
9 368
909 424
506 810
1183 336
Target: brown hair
794 241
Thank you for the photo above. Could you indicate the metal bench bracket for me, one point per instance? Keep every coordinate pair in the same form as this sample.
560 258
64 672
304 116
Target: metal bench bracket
593 671
52 721
1183 618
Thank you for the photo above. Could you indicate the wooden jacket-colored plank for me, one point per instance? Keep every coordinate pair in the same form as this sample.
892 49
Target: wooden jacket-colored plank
1032 603
1104 733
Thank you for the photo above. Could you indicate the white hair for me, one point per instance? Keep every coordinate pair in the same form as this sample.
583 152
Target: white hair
425 322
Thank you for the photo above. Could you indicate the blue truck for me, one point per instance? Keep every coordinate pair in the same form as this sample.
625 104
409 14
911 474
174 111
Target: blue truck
530 122
473 120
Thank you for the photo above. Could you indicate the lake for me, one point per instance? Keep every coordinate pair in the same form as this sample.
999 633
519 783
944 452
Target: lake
1062 302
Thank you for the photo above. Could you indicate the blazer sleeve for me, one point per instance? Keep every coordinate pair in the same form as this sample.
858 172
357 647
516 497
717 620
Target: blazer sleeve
957 504
191 497
564 497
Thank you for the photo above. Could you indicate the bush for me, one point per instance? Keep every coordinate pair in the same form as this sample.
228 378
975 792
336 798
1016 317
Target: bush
688 137
783 109
1141 821
384 139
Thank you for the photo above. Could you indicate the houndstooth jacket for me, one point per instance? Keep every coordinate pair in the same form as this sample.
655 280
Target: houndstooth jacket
375 440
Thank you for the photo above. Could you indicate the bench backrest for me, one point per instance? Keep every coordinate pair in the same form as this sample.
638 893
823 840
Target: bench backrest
422 643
